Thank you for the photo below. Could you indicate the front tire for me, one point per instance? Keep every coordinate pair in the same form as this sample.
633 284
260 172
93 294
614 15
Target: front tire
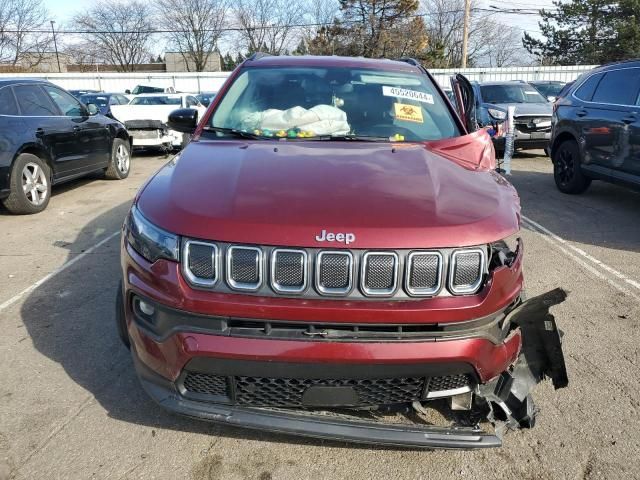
120 163
30 185
566 169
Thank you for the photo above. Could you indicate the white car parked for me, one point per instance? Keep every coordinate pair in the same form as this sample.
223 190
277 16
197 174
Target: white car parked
146 116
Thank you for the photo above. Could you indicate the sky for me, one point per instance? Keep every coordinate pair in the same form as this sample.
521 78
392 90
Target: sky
63 10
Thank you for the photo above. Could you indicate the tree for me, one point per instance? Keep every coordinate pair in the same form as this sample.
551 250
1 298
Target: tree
21 43
121 30
195 28
587 32
268 25
373 28
491 43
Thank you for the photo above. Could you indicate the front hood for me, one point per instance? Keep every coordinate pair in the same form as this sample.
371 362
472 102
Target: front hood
542 109
286 193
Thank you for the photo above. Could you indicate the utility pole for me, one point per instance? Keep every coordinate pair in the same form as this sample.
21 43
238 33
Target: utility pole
55 46
465 32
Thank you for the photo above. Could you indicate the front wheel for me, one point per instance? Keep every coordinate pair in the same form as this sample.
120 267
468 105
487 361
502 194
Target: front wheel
120 162
30 184
566 169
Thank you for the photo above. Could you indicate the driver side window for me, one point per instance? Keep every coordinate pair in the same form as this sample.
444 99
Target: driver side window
68 105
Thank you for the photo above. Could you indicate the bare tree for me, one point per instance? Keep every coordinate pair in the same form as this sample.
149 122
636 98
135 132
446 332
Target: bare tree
195 27
491 42
120 29
21 41
268 25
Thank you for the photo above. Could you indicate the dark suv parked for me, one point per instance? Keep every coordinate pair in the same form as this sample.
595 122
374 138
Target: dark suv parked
596 129
47 136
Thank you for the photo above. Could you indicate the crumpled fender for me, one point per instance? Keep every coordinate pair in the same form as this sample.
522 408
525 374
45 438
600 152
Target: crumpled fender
541 357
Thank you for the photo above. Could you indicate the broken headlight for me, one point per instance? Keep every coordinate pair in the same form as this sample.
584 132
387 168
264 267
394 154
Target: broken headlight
150 241
504 251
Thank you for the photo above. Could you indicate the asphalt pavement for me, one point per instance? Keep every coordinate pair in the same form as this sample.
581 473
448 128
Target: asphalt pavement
71 407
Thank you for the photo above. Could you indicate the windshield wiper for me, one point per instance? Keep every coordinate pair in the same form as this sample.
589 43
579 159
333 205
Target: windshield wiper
231 131
356 138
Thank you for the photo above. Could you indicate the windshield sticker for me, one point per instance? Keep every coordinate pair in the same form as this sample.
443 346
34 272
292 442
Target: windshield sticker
531 92
397 92
408 113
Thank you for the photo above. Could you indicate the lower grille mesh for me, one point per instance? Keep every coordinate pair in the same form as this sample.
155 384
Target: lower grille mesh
424 271
288 392
205 384
244 265
289 269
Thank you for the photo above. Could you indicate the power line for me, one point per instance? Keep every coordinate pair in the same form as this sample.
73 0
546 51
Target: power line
493 10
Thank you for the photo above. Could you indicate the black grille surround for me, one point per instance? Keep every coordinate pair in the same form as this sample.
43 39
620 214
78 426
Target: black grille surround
398 274
292 392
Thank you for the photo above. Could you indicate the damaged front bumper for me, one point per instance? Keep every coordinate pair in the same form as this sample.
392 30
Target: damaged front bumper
505 400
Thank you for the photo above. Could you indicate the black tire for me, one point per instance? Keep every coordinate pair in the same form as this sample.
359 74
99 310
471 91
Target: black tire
120 162
566 169
20 202
121 322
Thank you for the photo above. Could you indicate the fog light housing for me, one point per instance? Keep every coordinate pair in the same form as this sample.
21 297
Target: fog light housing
146 308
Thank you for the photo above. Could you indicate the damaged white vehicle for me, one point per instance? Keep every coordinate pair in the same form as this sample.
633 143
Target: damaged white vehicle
146 116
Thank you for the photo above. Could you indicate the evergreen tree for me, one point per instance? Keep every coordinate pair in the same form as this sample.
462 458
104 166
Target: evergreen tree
587 32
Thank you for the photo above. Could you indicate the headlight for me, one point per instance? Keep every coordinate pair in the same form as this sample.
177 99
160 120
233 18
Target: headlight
148 240
497 114
504 251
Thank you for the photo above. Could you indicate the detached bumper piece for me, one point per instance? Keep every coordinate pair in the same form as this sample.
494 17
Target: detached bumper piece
508 397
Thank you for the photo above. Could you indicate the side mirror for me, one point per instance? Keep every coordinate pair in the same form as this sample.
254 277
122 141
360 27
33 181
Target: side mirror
183 120
92 108
127 91
551 98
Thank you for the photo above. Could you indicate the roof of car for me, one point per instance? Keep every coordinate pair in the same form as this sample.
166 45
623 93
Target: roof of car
505 82
14 80
330 61
162 94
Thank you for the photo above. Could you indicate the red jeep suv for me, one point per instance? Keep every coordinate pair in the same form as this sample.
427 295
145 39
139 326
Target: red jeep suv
331 255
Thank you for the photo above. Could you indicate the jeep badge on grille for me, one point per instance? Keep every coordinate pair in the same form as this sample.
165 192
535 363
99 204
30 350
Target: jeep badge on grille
346 238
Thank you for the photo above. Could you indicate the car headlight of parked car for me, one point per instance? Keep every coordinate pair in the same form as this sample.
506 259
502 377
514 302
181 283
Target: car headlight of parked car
497 114
150 241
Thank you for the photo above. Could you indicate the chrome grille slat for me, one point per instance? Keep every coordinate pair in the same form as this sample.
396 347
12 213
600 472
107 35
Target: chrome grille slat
244 267
288 270
466 271
379 273
200 264
424 273
334 272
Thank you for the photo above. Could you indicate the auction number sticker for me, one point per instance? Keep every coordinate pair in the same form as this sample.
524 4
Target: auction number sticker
398 92
408 113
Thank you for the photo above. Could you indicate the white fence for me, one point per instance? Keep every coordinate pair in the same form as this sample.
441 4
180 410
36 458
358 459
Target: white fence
212 81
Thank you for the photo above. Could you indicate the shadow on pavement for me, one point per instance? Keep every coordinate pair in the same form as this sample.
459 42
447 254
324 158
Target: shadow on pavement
70 319
605 216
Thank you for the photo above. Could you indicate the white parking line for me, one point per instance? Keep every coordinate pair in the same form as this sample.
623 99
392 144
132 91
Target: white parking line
58 270
587 261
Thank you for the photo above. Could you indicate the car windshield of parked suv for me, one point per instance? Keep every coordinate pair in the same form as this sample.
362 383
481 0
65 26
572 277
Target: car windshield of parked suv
159 100
331 103
519 93
550 89
98 100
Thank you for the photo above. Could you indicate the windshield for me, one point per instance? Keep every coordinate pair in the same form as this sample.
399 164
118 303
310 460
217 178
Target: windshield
98 100
511 94
550 89
159 100
310 102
